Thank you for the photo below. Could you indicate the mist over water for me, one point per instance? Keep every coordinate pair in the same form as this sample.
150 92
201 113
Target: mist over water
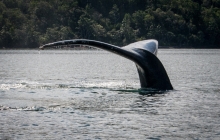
92 94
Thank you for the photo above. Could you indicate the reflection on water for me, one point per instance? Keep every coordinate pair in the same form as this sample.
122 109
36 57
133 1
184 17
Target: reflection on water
61 94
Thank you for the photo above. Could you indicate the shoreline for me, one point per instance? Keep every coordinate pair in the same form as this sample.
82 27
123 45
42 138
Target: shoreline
87 47
93 48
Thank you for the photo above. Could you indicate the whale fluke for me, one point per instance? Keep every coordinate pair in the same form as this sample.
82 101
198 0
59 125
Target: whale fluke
152 73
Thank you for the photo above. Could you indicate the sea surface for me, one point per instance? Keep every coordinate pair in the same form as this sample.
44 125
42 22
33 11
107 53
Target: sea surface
94 94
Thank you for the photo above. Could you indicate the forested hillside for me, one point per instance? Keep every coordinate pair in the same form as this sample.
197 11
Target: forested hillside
179 23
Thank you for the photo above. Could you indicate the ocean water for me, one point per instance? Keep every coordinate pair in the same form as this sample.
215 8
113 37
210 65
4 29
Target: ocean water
93 94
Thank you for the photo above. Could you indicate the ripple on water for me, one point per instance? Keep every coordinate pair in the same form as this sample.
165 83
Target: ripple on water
71 96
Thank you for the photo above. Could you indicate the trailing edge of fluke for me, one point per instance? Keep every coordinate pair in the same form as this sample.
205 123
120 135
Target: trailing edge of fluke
152 73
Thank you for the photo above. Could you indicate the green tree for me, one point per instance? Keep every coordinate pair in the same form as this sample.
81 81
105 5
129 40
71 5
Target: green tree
126 30
114 15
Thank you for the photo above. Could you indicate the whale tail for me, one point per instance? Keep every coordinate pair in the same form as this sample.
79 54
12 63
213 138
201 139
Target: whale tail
152 73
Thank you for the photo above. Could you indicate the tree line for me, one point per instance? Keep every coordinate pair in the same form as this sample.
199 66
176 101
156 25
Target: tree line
178 23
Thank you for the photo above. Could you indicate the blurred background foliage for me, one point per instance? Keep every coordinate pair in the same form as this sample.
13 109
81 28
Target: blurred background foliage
176 23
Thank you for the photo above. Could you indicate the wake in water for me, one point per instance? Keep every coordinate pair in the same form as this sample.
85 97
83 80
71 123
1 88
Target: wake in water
36 96
120 86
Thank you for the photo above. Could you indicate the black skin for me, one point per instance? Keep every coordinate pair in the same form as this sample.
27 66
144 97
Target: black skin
152 73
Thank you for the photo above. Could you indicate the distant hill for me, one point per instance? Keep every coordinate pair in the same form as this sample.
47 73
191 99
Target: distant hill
179 23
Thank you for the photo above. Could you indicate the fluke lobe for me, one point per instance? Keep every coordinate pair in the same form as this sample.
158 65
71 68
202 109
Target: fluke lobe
151 72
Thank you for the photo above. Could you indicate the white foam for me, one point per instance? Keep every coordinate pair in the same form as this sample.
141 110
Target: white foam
11 86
